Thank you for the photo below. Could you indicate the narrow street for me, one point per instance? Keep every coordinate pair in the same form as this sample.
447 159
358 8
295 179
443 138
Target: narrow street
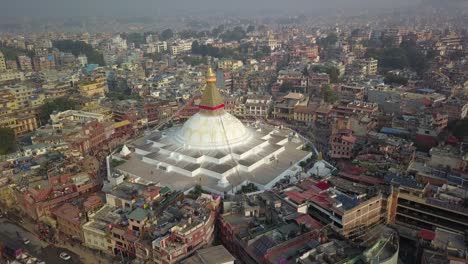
49 253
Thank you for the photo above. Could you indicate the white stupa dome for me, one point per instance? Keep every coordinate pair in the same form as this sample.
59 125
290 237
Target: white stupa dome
212 127
125 151
206 130
320 168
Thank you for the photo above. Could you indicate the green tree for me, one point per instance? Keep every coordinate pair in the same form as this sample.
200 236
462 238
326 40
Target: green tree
80 47
58 104
7 140
334 74
329 95
328 41
217 31
286 87
250 28
416 59
391 78
136 38
460 129
166 34
195 47
236 34
11 53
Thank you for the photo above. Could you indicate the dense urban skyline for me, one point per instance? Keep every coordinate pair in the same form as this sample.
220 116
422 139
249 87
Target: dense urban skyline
234 132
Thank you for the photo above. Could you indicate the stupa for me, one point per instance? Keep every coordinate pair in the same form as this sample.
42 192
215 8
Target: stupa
320 168
215 149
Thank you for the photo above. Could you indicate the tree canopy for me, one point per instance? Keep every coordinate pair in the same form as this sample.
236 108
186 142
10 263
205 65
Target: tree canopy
58 104
11 53
460 129
236 34
329 95
209 50
286 87
7 140
166 34
328 41
407 55
80 47
136 38
391 78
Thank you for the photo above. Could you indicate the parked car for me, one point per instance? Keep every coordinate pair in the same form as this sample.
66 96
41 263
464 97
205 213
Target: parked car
64 256
26 241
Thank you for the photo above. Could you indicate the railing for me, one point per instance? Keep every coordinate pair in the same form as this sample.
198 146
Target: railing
442 204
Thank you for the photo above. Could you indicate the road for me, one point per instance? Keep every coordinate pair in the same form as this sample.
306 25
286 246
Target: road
37 248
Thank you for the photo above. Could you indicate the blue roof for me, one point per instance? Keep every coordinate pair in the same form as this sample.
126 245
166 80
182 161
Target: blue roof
393 131
91 67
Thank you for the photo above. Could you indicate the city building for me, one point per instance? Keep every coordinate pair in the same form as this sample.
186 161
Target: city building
69 220
11 75
426 206
93 87
2 62
215 254
342 145
25 63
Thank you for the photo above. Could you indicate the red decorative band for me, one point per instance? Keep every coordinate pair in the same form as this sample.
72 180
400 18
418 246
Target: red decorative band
211 108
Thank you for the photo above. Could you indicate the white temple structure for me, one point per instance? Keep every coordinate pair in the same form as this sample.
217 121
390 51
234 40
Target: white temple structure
320 168
125 151
215 149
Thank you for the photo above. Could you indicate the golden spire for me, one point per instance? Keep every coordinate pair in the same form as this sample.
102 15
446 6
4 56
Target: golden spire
319 156
211 98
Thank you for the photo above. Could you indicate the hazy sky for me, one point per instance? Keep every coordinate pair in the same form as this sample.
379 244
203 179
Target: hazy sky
68 8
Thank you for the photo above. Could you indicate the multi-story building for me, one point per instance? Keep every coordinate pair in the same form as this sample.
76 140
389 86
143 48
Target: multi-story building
25 63
69 220
351 92
229 65
369 66
257 106
41 63
93 87
82 60
181 46
305 114
2 62
284 107
342 145
11 75
13 117
40 198
196 232
420 206
216 254
348 215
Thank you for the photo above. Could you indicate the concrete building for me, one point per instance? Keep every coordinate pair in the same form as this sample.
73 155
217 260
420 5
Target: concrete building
420 206
11 75
93 87
82 60
257 107
342 145
348 215
69 221
369 66
2 62
284 107
181 46
216 254
24 63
